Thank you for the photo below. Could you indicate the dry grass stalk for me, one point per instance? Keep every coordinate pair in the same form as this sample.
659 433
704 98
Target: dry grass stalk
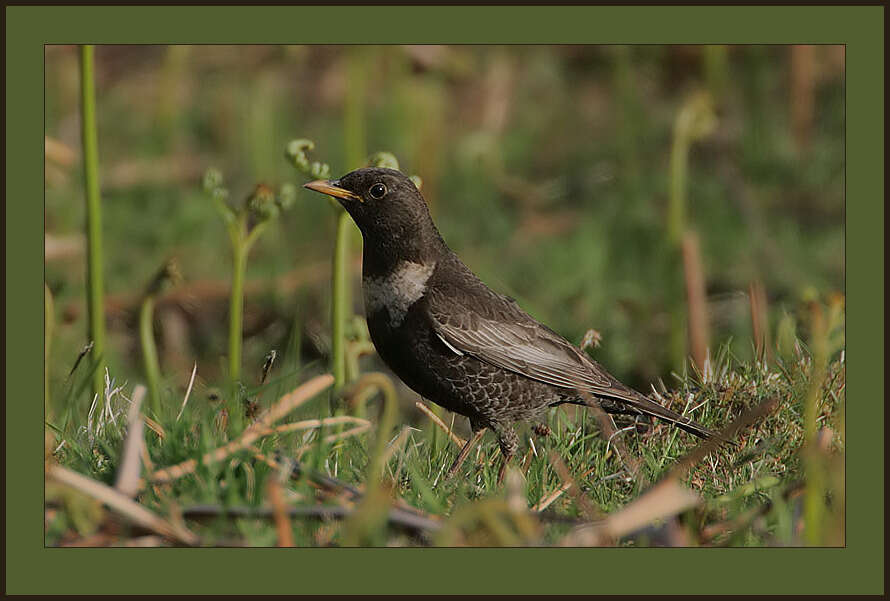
188 391
146 458
58 152
292 400
122 504
318 423
460 442
279 511
665 499
346 434
759 319
63 247
148 541
590 512
154 426
127 481
547 500
260 428
276 465
696 299
724 437
395 445
335 438
517 505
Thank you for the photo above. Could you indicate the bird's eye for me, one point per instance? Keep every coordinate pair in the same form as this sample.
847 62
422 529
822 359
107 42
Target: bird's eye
377 191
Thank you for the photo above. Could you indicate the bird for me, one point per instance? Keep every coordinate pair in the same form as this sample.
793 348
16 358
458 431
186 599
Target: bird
455 341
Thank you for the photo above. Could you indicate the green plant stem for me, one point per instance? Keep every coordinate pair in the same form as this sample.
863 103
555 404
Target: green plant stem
236 298
251 238
387 422
677 201
341 292
814 458
242 241
716 70
150 353
341 301
235 320
89 138
694 121
676 225
236 308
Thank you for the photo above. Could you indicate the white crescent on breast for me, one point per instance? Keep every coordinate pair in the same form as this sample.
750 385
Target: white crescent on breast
397 291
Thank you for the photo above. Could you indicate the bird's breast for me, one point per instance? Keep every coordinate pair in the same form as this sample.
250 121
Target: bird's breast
396 291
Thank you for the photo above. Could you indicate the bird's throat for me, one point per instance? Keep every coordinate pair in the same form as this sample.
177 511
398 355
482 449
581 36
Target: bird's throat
396 291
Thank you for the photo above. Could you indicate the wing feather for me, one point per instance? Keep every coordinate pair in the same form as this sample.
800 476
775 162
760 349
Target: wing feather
499 332
514 340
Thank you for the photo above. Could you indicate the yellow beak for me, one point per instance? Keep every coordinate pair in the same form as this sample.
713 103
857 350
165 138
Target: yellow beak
331 189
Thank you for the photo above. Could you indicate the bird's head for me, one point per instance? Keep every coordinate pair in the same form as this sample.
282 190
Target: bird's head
388 209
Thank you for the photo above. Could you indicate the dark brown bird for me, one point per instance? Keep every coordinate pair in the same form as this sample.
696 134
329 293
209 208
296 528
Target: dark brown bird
450 337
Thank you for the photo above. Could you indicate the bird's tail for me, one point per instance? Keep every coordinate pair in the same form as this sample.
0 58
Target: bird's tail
638 404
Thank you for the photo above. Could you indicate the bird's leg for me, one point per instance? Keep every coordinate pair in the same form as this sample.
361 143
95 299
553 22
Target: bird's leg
461 457
503 471
509 443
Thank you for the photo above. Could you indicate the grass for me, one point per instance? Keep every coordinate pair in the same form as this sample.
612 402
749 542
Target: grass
169 273
150 352
95 266
384 483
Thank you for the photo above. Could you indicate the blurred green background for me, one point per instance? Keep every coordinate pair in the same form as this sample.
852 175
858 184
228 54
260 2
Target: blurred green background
547 169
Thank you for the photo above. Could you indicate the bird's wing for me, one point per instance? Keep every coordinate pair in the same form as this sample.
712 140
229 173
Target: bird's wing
494 329
498 332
